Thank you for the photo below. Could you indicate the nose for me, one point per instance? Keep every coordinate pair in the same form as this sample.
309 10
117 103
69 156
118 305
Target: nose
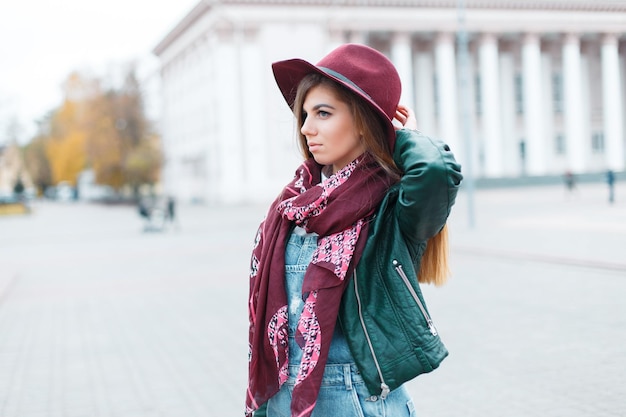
307 128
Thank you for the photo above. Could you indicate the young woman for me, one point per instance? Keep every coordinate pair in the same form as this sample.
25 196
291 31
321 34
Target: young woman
337 318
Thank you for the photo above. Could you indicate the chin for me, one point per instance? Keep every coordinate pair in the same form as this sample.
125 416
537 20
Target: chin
320 161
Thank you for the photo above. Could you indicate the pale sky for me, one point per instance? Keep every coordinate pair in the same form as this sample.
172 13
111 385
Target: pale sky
42 41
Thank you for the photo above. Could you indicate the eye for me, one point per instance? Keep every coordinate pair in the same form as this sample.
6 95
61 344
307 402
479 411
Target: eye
323 114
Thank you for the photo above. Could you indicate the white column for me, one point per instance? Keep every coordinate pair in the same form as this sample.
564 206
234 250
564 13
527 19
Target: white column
533 120
478 168
621 49
254 131
508 128
209 90
548 111
489 88
586 84
229 120
445 63
572 94
612 104
401 55
424 93
167 134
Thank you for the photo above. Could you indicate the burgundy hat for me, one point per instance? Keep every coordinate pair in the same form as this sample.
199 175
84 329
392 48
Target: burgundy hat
361 69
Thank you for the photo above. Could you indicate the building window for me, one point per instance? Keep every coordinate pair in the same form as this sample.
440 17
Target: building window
559 144
597 142
478 95
519 94
557 92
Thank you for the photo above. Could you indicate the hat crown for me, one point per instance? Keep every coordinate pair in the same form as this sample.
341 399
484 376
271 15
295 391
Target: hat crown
359 68
366 71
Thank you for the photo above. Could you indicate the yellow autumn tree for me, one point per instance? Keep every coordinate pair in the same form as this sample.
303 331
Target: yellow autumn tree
143 163
104 129
122 146
104 144
65 147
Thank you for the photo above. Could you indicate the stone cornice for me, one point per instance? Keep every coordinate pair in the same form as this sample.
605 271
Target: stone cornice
202 7
586 5
606 7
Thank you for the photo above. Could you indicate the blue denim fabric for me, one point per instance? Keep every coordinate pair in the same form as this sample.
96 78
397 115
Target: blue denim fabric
343 392
298 255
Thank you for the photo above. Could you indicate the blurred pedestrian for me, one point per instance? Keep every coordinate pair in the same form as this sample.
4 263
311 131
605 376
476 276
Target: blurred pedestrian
144 209
171 211
570 181
342 244
610 180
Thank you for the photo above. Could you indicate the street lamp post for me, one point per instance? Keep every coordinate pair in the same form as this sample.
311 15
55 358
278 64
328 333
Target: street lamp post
465 99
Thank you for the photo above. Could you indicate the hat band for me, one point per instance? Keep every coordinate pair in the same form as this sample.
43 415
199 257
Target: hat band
345 80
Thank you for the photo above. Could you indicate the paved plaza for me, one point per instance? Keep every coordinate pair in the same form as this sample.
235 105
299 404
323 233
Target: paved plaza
99 318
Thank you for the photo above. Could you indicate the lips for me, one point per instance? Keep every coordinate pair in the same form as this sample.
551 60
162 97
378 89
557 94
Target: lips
313 146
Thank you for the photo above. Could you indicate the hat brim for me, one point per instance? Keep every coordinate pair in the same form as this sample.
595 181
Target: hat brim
289 73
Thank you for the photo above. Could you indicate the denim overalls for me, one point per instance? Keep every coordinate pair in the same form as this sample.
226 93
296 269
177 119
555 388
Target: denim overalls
343 392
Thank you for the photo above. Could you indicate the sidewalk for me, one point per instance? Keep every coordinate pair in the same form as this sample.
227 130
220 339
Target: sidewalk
534 315
101 319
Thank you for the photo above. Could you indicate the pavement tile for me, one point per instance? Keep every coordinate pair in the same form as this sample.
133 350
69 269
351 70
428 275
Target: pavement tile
99 319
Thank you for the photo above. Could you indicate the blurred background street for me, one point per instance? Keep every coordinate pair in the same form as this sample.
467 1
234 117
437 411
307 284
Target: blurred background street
171 110
101 318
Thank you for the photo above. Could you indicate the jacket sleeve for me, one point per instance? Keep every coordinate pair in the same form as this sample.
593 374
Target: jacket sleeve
429 184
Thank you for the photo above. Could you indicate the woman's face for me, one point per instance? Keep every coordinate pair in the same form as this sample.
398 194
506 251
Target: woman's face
329 129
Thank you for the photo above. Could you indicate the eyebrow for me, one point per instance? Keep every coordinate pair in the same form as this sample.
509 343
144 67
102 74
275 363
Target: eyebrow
319 106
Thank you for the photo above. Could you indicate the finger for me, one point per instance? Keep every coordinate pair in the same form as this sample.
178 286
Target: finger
407 111
403 110
400 116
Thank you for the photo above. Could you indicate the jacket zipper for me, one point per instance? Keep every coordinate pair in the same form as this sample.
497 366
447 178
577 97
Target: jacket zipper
398 267
383 386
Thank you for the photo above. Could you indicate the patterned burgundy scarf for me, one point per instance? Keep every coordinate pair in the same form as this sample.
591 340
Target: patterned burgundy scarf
337 210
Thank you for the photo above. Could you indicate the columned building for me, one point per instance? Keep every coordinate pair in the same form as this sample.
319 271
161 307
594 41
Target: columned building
546 82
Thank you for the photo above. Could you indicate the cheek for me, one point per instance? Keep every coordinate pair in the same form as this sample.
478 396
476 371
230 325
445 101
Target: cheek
349 137
353 141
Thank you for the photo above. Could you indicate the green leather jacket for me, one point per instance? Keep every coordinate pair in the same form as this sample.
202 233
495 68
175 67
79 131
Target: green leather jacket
383 313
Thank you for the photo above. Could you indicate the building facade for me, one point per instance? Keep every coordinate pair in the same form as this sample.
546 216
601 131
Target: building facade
12 170
516 88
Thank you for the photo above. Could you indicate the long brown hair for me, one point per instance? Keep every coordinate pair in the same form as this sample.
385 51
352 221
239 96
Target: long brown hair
365 120
434 264
434 267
